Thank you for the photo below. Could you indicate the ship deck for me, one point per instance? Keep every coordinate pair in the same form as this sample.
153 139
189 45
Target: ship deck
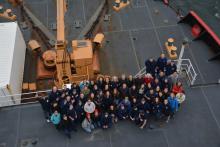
133 35
196 124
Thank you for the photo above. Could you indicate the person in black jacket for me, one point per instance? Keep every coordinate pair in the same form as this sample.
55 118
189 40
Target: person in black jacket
54 94
124 91
122 80
96 119
76 88
150 65
106 121
170 68
107 101
161 63
142 119
112 112
71 113
166 110
130 81
45 104
133 92
122 112
66 126
134 114
157 108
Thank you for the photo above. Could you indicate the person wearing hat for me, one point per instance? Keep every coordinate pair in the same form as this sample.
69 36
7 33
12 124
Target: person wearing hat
106 121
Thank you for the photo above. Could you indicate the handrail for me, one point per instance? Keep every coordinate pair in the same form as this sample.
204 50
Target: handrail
190 71
20 94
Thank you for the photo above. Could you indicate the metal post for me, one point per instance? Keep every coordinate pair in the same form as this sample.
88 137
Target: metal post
179 61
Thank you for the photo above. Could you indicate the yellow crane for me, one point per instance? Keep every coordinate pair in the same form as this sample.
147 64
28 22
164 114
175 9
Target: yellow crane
75 66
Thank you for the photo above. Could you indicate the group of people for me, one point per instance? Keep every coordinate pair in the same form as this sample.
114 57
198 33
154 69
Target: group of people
156 95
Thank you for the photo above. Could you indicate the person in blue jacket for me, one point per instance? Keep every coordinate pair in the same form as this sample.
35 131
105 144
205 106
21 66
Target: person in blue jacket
55 119
174 104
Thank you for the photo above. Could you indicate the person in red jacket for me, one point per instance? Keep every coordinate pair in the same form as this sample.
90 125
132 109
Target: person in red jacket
178 88
148 78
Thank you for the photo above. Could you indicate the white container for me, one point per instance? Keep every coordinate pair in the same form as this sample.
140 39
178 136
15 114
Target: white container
12 60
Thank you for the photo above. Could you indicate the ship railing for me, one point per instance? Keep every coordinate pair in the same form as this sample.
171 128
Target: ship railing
22 99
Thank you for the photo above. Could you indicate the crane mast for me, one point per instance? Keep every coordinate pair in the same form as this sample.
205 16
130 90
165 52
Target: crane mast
63 73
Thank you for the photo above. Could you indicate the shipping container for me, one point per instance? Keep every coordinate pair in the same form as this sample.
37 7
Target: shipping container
12 60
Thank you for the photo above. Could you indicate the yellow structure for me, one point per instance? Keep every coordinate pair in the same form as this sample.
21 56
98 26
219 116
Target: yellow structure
99 40
120 4
171 49
34 45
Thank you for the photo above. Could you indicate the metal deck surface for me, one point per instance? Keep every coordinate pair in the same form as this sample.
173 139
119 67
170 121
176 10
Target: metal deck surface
197 124
132 35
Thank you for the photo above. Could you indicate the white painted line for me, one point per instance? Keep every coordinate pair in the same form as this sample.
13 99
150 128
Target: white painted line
140 29
134 50
154 27
84 12
210 108
165 136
